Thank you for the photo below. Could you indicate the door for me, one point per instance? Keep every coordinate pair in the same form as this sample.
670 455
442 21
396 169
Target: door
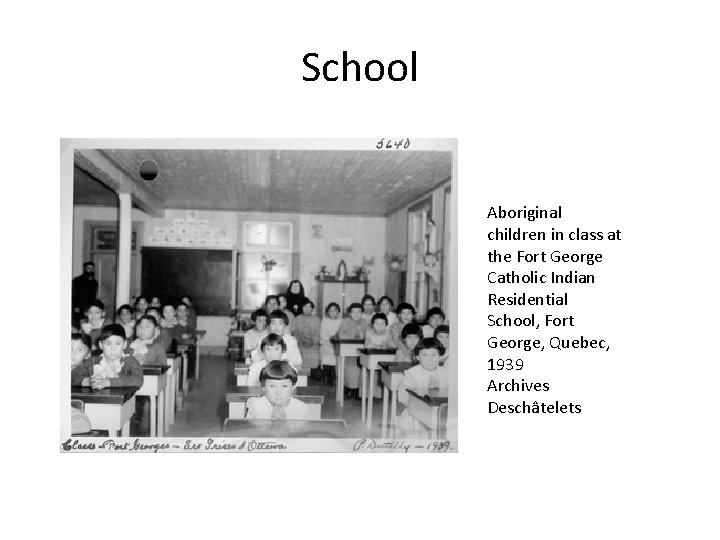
103 252
417 285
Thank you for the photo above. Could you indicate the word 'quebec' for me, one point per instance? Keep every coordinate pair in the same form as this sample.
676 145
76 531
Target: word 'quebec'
397 70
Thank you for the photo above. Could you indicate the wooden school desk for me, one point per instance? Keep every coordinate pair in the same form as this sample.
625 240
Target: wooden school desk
109 409
175 365
391 373
241 372
154 384
424 406
344 348
369 359
237 397
285 429
236 343
184 345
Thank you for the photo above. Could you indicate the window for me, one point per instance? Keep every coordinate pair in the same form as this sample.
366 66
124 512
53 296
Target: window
266 261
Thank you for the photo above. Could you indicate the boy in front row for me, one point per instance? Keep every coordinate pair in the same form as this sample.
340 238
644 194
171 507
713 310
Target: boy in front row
113 367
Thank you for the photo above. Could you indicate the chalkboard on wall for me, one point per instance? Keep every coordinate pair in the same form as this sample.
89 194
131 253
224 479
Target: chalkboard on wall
204 274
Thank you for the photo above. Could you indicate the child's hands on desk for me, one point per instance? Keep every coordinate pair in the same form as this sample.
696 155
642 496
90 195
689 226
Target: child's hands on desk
85 382
98 382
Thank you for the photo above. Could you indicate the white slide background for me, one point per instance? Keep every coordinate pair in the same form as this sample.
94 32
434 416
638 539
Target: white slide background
608 108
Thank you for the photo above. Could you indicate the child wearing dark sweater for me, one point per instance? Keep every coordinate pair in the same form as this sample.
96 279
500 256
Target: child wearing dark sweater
147 349
114 367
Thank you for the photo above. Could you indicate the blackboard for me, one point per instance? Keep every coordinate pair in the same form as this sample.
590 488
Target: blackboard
204 274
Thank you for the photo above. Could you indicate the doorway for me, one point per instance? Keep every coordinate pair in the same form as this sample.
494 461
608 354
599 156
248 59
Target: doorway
100 246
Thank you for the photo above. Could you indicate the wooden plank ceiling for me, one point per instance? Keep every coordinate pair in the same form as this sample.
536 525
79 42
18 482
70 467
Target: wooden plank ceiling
305 181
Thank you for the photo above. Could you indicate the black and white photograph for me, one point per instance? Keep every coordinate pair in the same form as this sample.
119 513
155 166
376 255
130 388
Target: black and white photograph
297 293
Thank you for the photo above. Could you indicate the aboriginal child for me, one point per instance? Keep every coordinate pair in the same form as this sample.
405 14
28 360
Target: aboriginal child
283 305
254 336
368 307
126 319
169 331
378 335
278 325
385 305
114 367
442 334
148 349
353 327
406 315
163 338
80 359
433 318
278 379
427 374
141 304
329 327
307 332
184 324
94 322
192 314
273 347
410 335
155 302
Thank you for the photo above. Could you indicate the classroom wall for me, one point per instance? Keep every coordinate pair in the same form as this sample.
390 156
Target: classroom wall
396 227
217 327
368 235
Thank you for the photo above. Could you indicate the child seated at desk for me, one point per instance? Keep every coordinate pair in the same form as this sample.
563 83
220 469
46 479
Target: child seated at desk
165 336
329 327
433 318
378 335
442 334
147 349
406 315
278 325
115 367
141 305
410 336
192 315
282 305
273 347
368 307
254 336
385 305
307 332
126 319
94 322
185 326
426 375
353 327
80 360
278 379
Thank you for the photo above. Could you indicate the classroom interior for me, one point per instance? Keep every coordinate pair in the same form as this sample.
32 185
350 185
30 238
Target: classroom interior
230 226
